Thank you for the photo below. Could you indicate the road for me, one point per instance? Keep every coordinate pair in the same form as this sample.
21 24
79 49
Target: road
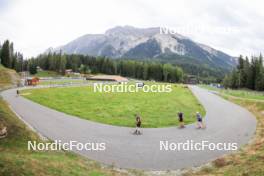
225 121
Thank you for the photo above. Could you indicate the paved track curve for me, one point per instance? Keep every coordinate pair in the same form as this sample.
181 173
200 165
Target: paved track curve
226 123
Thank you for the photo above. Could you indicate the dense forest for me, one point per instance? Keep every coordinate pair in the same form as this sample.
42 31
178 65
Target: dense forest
58 62
190 66
89 64
11 59
248 74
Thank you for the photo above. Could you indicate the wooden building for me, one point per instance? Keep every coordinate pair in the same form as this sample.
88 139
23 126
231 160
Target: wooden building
191 79
32 81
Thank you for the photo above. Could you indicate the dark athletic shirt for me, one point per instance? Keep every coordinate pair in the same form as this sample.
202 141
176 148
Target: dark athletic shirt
199 118
180 116
138 123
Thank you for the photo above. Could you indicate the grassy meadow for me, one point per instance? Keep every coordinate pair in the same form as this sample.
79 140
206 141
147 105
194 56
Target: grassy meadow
46 73
156 109
16 160
63 81
8 78
249 160
247 94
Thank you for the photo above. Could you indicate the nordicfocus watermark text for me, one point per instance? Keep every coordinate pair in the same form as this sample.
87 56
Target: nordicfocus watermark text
192 29
131 88
71 145
190 145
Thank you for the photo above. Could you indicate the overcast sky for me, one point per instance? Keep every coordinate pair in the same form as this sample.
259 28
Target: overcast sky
233 26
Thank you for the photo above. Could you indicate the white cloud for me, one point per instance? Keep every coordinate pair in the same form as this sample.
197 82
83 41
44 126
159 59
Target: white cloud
35 25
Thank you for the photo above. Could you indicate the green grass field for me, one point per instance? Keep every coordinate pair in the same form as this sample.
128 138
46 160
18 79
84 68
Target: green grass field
247 94
49 73
250 159
63 81
46 73
16 160
156 109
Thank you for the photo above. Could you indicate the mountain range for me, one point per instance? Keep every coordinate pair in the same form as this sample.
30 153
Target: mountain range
147 43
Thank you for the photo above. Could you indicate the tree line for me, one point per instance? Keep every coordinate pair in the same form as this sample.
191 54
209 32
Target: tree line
145 70
59 62
248 74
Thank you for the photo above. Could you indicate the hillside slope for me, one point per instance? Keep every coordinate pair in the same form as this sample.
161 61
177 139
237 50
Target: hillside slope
8 78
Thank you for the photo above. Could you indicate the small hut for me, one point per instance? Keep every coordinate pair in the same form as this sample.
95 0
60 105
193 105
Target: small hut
32 81
191 79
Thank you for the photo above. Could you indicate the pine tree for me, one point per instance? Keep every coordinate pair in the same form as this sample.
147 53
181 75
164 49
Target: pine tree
32 67
166 71
145 71
247 72
19 63
6 54
234 79
62 65
12 57
227 81
259 74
